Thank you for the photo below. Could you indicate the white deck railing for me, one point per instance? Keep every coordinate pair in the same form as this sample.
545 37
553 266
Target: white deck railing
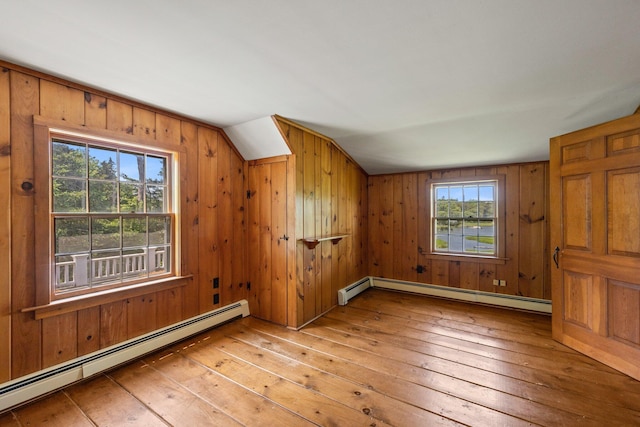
70 274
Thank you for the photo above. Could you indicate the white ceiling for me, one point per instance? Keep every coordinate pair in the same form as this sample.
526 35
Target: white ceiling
400 84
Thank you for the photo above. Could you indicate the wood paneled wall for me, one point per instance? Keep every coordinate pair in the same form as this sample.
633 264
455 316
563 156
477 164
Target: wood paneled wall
211 215
399 217
331 199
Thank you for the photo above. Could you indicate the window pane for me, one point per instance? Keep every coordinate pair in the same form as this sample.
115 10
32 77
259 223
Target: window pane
465 217
159 230
487 202
71 272
470 232
69 195
156 170
71 235
156 199
159 260
487 237
470 207
105 233
134 232
134 264
69 160
102 163
102 196
131 167
455 205
106 267
131 197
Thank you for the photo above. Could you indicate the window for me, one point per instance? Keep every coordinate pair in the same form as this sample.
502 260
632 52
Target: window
111 216
465 218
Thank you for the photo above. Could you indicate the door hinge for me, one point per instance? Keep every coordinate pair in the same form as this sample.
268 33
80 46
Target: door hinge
248 194
248 286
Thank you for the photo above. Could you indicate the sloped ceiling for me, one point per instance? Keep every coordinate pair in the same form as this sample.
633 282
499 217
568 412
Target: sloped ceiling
400 84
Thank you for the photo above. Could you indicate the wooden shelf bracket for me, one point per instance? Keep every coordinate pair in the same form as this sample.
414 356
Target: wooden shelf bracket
311 242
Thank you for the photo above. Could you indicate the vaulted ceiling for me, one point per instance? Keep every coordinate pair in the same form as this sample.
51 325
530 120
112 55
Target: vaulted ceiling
400 84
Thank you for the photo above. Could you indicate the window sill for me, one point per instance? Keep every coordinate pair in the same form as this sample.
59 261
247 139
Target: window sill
69 305
479 259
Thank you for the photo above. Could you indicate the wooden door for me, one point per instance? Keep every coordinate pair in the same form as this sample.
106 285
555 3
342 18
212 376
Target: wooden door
595 225
268 239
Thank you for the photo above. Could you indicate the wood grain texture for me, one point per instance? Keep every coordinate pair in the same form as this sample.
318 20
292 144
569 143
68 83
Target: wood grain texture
5 224
400 226
25 95
25 331
331 199
387 358
596 291
59 342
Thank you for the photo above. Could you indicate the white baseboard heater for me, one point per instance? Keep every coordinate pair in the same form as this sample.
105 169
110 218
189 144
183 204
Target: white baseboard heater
511 301
26 388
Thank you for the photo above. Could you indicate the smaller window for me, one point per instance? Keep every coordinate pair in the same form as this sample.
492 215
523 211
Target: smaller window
464 218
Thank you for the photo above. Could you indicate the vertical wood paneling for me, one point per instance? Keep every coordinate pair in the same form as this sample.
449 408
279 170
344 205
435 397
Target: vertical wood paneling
95 111
296 312
326 226
88 330
317 218
119 116
375 249
141 315
487 273
509 271
167 129
469 276
208 250
331 197
343 262
238 290
400 244
113 323
532 231
25 332
264 248
144 123
168 307
424 228
59 339
278 249
309 225
253 234
336 169
398 235
189 208
24 95
59 102
5 225
225 210
386 226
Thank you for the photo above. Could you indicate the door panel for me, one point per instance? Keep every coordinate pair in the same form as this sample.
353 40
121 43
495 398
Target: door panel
577 205
268 239
595 183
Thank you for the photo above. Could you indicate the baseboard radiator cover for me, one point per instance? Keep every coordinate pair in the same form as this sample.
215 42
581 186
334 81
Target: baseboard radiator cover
31 386
503 300
345 294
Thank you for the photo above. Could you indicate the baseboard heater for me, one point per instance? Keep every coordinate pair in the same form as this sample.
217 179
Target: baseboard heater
511 301
26 388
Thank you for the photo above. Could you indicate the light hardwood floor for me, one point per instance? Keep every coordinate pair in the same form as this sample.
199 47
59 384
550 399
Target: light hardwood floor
384 359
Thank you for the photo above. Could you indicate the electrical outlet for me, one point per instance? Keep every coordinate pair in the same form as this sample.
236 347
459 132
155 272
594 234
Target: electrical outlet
496 282
503 283
216 283
216 299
